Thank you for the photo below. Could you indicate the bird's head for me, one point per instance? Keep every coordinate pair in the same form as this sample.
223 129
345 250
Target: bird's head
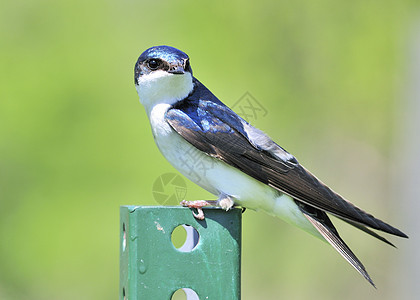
162 74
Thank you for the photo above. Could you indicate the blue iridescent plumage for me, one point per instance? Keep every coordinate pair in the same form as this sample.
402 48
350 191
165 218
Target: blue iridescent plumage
167 53
194 111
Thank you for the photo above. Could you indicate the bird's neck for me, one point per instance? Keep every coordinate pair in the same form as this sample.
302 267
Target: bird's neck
163 88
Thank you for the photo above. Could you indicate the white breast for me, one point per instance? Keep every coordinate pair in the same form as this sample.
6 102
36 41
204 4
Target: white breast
187 159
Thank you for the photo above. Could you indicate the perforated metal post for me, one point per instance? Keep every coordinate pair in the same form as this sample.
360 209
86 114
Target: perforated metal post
152 268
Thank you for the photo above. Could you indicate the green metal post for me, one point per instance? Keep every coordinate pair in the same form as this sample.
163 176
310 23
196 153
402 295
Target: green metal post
151 268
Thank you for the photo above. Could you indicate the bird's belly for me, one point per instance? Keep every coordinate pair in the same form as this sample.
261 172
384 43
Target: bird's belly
214 175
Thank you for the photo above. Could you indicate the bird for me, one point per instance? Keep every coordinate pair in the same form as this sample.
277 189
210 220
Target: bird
218 150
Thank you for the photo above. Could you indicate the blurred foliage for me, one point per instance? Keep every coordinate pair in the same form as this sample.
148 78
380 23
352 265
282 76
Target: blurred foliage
75 143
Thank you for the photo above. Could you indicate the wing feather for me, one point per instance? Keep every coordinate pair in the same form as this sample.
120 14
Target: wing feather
216 130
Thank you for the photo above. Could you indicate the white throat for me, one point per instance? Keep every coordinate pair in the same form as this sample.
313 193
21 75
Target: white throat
161 87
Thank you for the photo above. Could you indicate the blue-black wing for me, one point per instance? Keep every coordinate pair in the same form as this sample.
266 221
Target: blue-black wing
213 128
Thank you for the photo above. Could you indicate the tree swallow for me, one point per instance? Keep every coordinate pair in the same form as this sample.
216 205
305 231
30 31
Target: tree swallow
243 165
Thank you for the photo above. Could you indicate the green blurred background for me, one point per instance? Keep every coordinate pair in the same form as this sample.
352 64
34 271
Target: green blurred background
75 143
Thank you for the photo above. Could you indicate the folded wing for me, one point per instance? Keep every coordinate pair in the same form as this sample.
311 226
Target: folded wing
216 130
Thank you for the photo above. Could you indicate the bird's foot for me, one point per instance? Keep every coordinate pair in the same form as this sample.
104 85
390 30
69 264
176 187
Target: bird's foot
224 201
198 204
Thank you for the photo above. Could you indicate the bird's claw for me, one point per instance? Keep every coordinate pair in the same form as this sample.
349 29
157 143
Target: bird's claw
199 215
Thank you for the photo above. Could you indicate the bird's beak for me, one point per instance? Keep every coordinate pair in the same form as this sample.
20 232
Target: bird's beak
176 69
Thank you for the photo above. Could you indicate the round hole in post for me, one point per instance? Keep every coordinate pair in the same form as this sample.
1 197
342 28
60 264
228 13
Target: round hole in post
179 236
185 238
179 295
124 241
185 294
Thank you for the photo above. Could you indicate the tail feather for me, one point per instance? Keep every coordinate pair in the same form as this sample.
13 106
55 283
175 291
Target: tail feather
368 231
323 224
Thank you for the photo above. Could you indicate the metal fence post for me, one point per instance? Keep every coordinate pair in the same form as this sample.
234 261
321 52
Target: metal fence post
152 268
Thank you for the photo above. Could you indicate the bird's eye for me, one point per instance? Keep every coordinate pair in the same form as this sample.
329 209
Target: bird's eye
153 64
